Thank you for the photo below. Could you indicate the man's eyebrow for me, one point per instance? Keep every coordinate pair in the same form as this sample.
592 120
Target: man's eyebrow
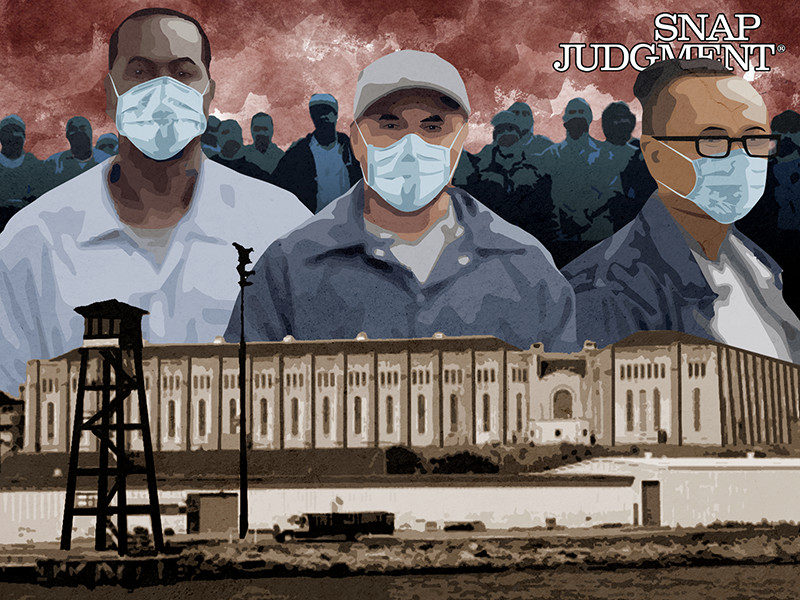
433 119
755 128
147 61
713 130
388 117
182 59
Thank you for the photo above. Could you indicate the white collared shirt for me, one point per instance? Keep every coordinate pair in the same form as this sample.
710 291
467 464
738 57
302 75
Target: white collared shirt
749 311
70 249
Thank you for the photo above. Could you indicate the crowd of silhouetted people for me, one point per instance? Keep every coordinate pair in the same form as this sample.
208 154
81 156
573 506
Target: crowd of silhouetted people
569 194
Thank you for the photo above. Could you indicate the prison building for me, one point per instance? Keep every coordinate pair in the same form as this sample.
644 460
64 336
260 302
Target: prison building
652 387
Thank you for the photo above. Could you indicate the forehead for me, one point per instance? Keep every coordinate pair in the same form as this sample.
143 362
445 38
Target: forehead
414 98
726 102
160 38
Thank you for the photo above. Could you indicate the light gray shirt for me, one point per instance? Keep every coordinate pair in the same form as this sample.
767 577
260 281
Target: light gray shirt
420 255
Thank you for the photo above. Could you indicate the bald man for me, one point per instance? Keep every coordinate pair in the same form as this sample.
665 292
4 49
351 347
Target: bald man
682 265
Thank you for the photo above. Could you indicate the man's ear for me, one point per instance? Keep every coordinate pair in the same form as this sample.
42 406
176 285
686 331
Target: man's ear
650 149
111 98
209 96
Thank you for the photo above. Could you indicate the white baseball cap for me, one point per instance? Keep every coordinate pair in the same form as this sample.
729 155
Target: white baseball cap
408 69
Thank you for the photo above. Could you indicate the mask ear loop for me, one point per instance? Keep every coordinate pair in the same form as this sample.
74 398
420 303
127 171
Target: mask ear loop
113 85
458 158
693 167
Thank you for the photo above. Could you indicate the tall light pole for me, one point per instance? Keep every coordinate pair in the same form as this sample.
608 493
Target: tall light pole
244 259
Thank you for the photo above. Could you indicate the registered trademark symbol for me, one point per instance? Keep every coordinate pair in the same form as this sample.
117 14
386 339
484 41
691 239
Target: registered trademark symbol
781 48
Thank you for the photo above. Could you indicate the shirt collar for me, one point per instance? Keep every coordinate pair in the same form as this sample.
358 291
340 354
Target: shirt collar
482 228
102 221
668 240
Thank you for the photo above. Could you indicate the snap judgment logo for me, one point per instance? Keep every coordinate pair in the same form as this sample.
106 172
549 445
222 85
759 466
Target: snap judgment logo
718 39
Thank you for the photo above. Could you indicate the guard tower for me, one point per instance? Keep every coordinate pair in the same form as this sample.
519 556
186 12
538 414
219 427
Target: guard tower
113 331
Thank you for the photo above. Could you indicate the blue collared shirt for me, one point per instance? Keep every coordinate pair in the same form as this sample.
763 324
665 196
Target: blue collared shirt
645 278
70 249
331 279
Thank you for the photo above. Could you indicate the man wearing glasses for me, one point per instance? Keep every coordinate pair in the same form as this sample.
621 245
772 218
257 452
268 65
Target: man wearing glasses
681 264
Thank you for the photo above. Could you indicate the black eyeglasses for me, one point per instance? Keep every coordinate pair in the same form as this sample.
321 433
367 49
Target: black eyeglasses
758 146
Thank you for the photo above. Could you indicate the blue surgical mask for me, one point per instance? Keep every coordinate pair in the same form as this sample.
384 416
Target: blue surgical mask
410 173
160 116
726 188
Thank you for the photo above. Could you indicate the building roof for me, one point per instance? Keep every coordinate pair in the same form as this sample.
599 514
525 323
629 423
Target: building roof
321 347
111 309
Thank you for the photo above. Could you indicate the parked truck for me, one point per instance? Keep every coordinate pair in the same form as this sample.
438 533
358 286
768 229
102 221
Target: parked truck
338 525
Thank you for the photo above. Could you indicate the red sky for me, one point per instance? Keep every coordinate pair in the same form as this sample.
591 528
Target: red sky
272 55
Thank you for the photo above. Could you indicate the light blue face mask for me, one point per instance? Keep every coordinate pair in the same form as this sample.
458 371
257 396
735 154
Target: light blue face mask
160 116
725 188
410 173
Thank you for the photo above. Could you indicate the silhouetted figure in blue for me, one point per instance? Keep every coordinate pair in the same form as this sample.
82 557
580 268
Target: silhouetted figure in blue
262 152
208 139
108 143
231 153
636 182
20 172
507 181
319 167
583 182
80 157
532 144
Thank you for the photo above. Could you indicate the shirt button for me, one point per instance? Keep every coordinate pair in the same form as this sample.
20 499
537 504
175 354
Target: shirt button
464 260
420 298
379 252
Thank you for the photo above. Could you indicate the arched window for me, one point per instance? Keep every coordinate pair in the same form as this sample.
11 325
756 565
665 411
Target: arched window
264 416
414 377
487 407
364 378
663 371
171 419
642 410
519 412
51 422
389 414
295 417
396 378
357 415
696 403
628 370
232 420
629 410
656 408
427 376
201 418
562 404
453 413
421 413
326 416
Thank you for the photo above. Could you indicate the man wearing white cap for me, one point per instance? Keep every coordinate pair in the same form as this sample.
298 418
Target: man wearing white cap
319 167
404 254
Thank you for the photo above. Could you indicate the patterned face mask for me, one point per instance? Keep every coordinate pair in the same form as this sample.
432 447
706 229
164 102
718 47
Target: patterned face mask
726 188
160 116
410 173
